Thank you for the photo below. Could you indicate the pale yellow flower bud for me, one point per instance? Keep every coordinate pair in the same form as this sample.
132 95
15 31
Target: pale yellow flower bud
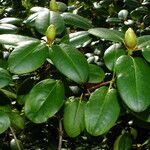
130 39
50 34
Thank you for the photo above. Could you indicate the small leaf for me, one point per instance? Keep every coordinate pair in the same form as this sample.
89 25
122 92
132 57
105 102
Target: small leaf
46 18
123 142
5 78
4 122
14 39
96 74
70 62
146 53
101 111
11 20
132 79
44 100
107 34
16 120
8 28
112 54
74 117
27 57
76 20
143 41
79 39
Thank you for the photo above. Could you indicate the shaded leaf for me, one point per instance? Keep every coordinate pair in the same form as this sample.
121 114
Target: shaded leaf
96 74
5 78
4 122
123 142
16 120
74 117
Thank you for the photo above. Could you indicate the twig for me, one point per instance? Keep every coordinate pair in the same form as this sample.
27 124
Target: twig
99 85
60 135
16 140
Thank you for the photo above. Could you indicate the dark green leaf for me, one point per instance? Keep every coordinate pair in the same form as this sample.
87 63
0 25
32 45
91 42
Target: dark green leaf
27 57
143 41
146 53
4 122
45 18
70 62
102 111
31 19
44 100
16 120
76 20
5 78
79 39
107 34
14 39
74 117
8 28
123 142
112 54
96 74
132 78
145 115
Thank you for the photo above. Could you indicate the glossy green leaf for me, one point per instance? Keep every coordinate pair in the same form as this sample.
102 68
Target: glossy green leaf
96 74
146 53
74 117
5 78
14 39
76 20
45 18
112 54
16 120
11 20
44 100
8 28
123 142
143 41
31 19
69 61
27 57
79 39
132 78
107 34
101 111
4 122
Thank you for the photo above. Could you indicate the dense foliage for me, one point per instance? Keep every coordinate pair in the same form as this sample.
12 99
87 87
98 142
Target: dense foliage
75 75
